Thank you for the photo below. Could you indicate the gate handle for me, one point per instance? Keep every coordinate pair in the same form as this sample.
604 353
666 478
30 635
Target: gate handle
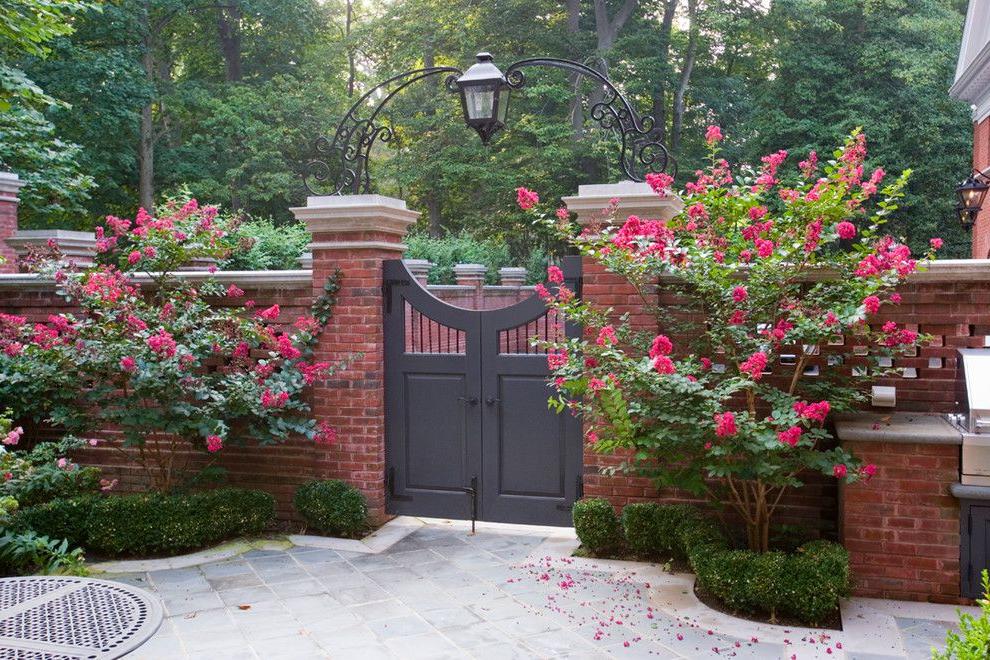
492 400
470 400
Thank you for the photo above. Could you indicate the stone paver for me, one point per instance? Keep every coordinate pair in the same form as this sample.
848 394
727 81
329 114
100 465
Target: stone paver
443 593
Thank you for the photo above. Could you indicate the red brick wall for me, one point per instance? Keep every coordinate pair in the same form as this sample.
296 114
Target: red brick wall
902 528
981 161
275 469
955 311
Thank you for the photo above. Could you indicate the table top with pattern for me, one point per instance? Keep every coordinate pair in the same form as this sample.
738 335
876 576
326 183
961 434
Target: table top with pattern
73 618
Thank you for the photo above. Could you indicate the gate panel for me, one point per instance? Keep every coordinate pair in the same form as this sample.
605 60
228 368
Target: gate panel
466 409
432 432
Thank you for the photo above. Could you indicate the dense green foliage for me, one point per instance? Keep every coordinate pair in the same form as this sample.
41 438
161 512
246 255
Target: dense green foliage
264 245
806 584
597 526
152 523
972 642
332 507
227 98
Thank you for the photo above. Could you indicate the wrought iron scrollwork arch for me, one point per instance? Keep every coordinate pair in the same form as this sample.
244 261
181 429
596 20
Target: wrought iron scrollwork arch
640 152
341 163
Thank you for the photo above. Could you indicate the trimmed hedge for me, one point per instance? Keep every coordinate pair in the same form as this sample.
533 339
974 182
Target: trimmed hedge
806 584
597 526
151 523
332 507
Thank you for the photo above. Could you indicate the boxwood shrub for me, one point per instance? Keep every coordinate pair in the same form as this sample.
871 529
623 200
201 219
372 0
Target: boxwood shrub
332 507
806 584
597 526
151 523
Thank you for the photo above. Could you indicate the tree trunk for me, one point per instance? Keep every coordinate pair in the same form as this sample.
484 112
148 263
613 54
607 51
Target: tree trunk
659 109
577 110
686 69
351 69
146 143
607 31
433 210
228 24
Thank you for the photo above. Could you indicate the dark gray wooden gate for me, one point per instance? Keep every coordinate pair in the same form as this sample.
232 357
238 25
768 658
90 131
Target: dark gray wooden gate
975 551
468 432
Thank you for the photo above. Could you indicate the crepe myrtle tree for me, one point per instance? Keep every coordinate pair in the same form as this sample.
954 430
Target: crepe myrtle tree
768 266
160 362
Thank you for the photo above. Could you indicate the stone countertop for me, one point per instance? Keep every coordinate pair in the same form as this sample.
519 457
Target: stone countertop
923 428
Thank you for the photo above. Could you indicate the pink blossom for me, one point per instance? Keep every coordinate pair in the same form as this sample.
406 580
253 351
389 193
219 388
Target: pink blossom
872 304
128 364
606 336
846 229
713 135
133 257
662 364
754 365
814 411
868 471
596 384
659 182
233 291
13 436
757 212
839 471
592 437
162 343
936 243
270 314
106 485
526 199
314 372
149 251
555 275
895 298
738 317
556 360
791 436
661 346
706 364
809 166
725 424
270 400
214 443
764 247
831 318
325 434
285 347
739 294
242 350
563 213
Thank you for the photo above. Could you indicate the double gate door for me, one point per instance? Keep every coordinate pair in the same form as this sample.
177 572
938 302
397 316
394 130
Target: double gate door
468 430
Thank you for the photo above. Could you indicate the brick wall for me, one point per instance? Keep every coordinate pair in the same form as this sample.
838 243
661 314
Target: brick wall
981 161
275 469
902 528
951 301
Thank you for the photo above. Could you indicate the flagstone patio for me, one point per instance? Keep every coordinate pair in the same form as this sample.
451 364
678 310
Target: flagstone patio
504 592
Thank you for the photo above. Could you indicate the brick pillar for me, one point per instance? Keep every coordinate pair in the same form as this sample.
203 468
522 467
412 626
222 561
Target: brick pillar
355 233
419 268
472 275
512 276
604 289
10 184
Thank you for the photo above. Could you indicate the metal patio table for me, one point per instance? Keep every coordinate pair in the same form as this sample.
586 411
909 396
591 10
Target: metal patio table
73 618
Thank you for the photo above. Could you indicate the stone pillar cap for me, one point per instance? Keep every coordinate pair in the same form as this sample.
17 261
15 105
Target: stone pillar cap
634 197
10 184
417 263
512 270
356 213
470 269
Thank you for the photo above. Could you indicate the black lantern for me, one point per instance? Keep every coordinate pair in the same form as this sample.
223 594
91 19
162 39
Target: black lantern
484 97
971 193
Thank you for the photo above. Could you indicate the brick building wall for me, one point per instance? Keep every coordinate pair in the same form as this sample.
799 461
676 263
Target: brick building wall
981 163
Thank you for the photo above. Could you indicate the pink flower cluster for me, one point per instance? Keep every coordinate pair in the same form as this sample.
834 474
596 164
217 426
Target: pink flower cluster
162 343
214 443
660 354
790 436
725 424
660 183
13 436
526 199
271 400
814 411
754 365
887 255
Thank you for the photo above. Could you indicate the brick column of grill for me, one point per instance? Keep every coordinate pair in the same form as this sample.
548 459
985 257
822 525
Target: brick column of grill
355 233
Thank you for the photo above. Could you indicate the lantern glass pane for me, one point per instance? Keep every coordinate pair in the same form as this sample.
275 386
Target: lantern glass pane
479 101
503 104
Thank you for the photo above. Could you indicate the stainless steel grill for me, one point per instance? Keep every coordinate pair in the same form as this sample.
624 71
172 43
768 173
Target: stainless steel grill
973 418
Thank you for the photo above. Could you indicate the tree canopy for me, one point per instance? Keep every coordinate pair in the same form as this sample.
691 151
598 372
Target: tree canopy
226 98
